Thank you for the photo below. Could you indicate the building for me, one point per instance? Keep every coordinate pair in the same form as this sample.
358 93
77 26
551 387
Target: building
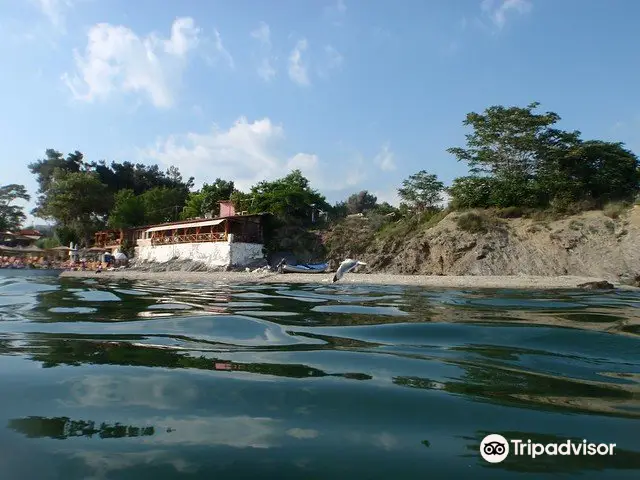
226 240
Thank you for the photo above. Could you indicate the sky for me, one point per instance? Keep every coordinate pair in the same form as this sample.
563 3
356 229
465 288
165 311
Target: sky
358 94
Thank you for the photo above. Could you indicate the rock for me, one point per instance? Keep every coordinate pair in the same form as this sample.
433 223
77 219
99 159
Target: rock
601 285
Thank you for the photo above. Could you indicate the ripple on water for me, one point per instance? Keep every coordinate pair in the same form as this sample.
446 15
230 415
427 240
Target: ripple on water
360 310
97 296
392 381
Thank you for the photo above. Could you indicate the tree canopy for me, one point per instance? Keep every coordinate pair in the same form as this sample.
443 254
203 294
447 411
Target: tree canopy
360 202
75 199
205 201
289 198
520 158
12 216
119 194
421 191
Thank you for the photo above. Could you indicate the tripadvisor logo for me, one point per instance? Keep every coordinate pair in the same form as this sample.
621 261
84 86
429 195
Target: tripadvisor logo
495 448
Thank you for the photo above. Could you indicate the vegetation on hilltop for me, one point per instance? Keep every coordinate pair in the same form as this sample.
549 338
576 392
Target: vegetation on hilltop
520 163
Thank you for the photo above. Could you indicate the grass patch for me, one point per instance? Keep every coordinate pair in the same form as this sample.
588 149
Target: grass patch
615 209
473 222
575 225
510 212
412 223
609 225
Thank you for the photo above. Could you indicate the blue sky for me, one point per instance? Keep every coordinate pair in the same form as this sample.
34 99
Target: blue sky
358 94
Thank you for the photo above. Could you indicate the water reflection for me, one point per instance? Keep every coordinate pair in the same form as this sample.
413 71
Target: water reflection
62 428
295 379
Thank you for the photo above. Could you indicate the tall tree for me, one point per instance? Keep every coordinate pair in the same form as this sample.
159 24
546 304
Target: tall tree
12 216
288 198
44 169
361 202
603 171
77 200
421 191
162 204
512 140
205 201
128 210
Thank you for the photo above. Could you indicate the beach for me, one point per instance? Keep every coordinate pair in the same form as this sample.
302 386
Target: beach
434 281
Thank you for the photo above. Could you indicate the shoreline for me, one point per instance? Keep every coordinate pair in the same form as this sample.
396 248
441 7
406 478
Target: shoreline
467 281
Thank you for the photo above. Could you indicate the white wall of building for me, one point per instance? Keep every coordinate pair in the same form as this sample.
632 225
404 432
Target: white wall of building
212 254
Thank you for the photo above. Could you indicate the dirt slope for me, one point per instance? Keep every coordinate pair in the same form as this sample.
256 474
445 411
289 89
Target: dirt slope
589 244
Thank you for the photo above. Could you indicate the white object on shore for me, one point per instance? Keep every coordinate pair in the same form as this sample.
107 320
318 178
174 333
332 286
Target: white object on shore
345 267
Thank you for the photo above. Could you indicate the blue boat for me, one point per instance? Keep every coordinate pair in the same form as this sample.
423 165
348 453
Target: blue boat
304 268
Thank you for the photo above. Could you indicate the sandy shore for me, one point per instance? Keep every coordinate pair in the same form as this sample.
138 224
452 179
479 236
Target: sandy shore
519 282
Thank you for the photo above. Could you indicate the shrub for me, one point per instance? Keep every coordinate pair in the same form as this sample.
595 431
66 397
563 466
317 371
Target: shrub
615 209
575 225
510 212
472 222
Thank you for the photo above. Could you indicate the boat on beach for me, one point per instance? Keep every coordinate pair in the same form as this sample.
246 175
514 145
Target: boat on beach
304 268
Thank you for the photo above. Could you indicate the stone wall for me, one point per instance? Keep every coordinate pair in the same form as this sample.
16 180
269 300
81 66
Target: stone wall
245 253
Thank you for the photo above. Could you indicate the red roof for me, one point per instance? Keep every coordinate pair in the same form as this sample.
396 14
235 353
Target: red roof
30 231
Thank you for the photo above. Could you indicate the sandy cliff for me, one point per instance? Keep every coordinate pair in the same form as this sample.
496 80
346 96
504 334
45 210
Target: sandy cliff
589 244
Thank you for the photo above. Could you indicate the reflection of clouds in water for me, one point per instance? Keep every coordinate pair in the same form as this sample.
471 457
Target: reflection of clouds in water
153 391
104 463
302 433
239 431
383 440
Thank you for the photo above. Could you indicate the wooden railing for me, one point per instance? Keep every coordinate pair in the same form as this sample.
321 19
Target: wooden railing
190 238
108 244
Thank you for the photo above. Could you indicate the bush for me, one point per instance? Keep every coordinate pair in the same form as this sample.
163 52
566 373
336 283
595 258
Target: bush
615 209
510 212
470 192
472 222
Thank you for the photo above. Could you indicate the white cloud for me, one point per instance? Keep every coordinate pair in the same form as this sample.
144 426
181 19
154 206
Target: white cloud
221 51
263 34
385 159
247 153
116 60
297 68
336 13
265 68
497 10
54 11
335 59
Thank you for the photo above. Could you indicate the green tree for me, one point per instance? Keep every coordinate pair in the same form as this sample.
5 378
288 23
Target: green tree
65 235
77 200
12 216
128 210
361 202
471 192
139 177
290 198
421 191
598 170
205 201
44 169
193 207
162 204
512 140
